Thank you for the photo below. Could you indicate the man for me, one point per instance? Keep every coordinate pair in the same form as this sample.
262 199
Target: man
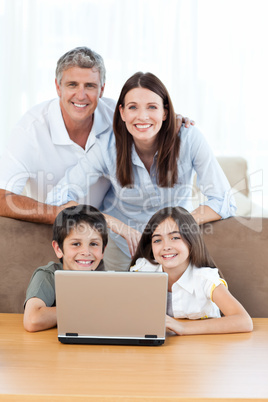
53 136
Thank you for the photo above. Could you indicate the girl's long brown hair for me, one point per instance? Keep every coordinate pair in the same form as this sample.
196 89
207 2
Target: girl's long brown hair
168 141
189 231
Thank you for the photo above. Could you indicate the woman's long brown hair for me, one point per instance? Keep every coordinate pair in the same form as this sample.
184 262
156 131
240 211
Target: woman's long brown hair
168 141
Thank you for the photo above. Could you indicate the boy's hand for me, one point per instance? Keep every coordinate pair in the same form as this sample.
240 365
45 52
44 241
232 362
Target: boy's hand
37 316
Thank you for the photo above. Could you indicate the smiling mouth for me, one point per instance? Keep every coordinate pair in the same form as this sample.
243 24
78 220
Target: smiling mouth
142 126
85 263
80 105
169 256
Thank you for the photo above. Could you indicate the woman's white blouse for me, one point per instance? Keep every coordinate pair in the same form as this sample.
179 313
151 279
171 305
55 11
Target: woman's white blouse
192 293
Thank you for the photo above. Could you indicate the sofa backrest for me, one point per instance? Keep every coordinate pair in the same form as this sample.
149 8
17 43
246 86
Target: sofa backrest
238 246
24 246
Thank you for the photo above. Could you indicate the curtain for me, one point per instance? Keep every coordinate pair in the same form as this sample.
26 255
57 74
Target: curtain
211 55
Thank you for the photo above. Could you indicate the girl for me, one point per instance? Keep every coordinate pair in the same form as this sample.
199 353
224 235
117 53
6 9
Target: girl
171 242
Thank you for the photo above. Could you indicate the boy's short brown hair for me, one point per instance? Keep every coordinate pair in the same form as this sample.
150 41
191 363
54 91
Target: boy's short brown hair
71 217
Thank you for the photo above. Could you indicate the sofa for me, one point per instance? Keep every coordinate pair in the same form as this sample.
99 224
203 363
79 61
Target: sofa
238 246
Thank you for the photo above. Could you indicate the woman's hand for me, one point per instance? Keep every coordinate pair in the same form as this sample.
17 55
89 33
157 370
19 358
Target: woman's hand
132 236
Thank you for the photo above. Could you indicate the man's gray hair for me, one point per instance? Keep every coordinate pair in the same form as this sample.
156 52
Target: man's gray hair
82 57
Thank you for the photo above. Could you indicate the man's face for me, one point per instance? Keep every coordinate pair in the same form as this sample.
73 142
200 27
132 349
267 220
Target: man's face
79 92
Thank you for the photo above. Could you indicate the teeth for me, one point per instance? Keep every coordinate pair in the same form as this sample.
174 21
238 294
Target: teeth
143 125
84 262
169 255
79 105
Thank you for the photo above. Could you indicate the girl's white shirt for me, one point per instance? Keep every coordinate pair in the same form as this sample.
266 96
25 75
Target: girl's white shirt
192 293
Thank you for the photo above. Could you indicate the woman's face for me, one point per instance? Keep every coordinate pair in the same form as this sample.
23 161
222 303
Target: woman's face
143 114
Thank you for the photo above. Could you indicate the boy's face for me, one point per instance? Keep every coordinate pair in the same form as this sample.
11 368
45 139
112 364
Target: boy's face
82 249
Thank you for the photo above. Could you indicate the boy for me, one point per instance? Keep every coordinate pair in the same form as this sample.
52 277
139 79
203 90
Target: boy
79 239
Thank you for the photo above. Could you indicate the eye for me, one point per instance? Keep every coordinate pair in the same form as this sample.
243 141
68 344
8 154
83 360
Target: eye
71 84
76 244
94 244
156 241
152 107
176 238
132 107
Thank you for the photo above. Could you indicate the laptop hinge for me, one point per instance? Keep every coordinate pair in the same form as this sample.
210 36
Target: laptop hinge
71 334
150 336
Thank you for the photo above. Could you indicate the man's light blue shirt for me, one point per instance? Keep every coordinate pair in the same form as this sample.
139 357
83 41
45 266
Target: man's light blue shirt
135 206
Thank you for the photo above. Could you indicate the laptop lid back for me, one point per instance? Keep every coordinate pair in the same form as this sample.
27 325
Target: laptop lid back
111 307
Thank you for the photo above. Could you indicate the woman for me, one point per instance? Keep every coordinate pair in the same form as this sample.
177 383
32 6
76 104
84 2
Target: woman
149 166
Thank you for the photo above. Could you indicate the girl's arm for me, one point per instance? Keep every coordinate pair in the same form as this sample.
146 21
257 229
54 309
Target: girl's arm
235 319
37 316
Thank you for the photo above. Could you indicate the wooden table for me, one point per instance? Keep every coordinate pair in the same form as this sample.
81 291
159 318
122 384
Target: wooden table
36 367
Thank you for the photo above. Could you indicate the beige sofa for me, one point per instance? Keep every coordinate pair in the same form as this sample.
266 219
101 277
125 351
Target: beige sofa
236 170
238 245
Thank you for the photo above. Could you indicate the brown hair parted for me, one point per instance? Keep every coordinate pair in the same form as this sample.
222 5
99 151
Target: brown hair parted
168 141
189 231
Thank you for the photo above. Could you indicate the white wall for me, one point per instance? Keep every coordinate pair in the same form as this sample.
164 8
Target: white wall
211 54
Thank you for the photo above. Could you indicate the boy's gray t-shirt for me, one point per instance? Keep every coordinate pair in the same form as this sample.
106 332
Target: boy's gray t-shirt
42 283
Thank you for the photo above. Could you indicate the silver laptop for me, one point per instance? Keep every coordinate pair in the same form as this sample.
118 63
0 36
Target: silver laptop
105 307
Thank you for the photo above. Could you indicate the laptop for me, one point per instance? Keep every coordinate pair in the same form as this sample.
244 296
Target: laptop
107 307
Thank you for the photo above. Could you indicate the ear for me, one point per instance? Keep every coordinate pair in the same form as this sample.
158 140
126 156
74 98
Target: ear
57 88
57 249
165 114
102 90
121 110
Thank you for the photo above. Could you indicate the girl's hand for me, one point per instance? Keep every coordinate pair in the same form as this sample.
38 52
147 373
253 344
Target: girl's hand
174 325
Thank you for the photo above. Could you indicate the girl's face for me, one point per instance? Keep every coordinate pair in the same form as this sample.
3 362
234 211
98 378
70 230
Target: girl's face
169 249
143 114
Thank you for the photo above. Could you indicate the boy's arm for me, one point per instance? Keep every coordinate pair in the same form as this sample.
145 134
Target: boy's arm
37 316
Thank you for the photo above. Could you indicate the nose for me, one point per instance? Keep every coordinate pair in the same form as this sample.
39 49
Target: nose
143 114
166 245
80 94
85 250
